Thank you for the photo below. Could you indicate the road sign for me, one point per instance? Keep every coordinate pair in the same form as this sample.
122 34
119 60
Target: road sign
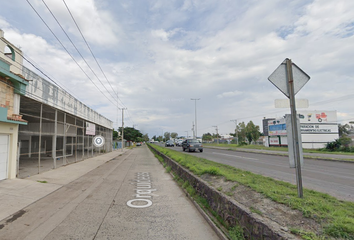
279 78
285 103
289 79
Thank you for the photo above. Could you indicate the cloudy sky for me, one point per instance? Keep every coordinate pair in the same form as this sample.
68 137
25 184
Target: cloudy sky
157 55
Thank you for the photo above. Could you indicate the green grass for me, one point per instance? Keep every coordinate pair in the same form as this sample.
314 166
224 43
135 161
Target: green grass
255 210
42 181
336 217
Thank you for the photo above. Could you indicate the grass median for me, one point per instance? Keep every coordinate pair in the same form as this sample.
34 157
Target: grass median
335 216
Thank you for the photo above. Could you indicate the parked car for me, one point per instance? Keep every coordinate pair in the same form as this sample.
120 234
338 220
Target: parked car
138 144
192 145
169 143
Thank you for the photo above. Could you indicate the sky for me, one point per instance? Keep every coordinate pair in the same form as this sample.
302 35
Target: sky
155 56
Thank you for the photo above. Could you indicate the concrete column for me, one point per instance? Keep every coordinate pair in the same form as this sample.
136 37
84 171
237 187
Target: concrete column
54 141
64 141
40 139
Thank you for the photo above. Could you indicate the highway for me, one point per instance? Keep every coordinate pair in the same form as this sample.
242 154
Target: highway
334 178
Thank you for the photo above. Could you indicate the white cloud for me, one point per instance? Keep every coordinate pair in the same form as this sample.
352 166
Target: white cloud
229 94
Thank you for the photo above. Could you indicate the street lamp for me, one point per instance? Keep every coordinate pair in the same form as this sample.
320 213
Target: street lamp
195 106
236 132
217 134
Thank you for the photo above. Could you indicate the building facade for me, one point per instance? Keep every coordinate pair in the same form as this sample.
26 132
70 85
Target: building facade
45 127
317 129
12 86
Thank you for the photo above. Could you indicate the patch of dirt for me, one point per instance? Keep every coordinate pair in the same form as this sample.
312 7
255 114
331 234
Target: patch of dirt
286 217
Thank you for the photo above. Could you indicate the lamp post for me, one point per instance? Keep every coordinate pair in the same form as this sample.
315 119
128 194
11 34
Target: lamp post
195 106
123 127
236 132
217 134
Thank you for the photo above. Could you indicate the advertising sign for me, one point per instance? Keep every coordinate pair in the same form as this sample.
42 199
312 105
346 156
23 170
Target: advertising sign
90 129
319 128
318 116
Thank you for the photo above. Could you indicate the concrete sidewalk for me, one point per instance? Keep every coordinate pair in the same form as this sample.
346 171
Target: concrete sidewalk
16 194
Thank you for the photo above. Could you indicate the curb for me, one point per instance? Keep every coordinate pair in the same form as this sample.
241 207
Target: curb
284 154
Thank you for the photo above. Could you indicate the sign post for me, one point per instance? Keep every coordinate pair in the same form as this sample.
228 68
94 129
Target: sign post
283 78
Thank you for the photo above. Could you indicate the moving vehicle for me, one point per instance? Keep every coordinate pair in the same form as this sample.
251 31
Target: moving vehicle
179 142
169 143
192 145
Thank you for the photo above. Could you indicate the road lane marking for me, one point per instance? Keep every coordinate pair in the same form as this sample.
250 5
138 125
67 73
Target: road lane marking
255 159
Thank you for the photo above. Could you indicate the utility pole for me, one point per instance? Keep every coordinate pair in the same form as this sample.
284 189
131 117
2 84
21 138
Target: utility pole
193 129
217 134
187 134
195 115
236 132
123 127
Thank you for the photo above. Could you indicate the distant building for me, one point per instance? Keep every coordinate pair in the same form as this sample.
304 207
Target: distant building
265 125
317 129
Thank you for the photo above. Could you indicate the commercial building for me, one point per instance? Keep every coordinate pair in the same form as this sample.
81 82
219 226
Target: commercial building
317 129
45 127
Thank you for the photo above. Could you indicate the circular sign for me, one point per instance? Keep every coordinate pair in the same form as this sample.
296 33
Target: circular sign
98 141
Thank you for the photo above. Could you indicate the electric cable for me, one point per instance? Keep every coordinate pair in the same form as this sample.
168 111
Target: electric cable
76 48
69 53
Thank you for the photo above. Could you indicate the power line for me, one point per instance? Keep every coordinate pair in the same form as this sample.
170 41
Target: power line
93 55
39 71
76 48
69 53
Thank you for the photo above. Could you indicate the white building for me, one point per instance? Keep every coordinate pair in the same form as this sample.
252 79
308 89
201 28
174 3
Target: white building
317 129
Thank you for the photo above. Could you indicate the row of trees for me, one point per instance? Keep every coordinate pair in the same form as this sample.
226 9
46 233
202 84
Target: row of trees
167 136
130 134
244 132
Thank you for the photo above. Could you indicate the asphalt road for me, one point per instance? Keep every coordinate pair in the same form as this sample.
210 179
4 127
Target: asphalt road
130 197
334 178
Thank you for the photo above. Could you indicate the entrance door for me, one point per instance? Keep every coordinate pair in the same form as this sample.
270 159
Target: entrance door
4 155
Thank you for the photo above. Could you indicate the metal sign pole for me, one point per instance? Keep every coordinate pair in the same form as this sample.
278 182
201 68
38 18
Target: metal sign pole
294 127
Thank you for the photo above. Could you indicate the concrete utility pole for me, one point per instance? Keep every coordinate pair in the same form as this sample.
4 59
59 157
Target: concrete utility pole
187 134
123 127
236 132
217 134
195 106
193 130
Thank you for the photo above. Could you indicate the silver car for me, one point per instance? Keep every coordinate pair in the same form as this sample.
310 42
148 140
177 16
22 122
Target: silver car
192 145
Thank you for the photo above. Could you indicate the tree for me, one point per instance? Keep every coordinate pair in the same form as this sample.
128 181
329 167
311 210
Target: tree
241 132
344 129
131 134
115 134
167 135
207 137
252 132
174 135
146 137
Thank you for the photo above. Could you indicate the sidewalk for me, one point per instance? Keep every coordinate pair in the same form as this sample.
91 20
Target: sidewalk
16 194
131 197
